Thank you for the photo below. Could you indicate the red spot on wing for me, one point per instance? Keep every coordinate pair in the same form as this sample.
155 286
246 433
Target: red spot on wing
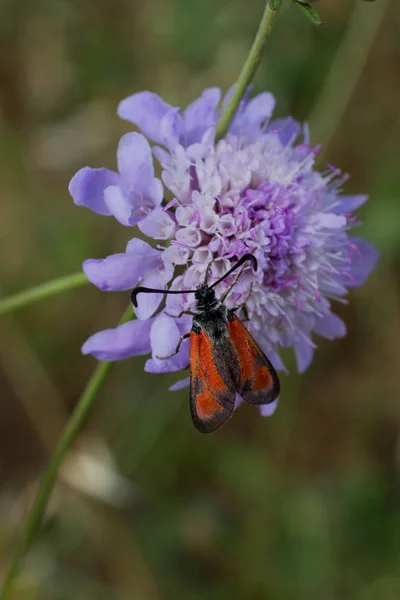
203 363
211 402
259 383
263 379
207 406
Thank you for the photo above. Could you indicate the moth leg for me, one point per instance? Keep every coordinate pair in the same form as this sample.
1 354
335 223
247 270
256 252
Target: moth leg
234 282
239 306
183 337
183 312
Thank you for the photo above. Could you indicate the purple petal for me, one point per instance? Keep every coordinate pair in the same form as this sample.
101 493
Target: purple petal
114 273
164 337
200 115
328 220
158 225
171 128
330 327
257 112
175 363
267 410
129 339
179 385
348 204
142 250
304 353
287 129
87 188
148 303
276 361
145 110
238 401
135 161
119 205
364 257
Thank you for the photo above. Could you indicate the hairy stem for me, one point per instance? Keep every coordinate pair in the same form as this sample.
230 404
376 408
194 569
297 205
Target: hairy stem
249 68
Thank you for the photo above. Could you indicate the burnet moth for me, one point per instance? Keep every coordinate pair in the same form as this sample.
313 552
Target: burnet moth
224 357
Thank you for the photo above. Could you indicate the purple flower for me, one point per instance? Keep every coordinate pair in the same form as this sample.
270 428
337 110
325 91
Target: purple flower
256 191
130 195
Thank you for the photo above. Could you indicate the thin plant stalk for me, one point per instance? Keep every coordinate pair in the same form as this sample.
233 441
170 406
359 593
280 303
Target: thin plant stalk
249 68
42 291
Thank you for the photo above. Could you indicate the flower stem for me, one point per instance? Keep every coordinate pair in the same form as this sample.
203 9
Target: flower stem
44 290
35 515
249 68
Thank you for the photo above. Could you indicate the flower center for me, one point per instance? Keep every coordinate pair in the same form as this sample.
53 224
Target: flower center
271 213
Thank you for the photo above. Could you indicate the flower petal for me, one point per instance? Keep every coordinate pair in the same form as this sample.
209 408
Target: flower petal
87 188
129 339
364 257
276 361
200 115
304 352
158 225
179 385
267 410
148 303
145 110
114 273
171 128
119 205
287 129
164 337
175 363
135 161
238 401
142 250
348 204
330 326
256 113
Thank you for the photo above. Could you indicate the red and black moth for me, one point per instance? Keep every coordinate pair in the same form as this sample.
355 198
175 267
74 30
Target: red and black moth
224 357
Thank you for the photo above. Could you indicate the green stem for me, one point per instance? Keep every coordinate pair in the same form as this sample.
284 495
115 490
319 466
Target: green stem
44 290
35 515
249 68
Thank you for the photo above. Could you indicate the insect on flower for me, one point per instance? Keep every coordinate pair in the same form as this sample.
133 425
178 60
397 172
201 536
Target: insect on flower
224 357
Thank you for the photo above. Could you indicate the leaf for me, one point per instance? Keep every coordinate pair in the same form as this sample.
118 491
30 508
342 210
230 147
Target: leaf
273 4
310 12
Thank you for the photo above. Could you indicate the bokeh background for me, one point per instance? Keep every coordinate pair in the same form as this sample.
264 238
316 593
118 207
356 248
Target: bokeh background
305 505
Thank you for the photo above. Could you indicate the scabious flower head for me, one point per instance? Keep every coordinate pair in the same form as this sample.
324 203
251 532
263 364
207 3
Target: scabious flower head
255 190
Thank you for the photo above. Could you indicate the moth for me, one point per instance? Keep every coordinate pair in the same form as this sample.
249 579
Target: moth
224 357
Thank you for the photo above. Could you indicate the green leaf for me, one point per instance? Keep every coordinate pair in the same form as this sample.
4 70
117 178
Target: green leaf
310 12
273 4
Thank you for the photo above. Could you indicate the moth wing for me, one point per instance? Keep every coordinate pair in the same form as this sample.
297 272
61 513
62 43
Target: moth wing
211 400
259 383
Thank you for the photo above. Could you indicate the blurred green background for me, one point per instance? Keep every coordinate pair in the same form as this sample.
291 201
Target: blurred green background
305 505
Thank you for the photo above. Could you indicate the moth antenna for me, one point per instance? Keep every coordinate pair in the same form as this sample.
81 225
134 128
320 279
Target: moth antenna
245 258
145 290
